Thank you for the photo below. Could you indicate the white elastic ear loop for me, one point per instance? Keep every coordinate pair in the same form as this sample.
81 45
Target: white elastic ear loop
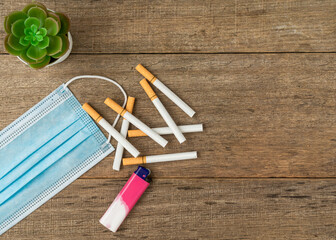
106 79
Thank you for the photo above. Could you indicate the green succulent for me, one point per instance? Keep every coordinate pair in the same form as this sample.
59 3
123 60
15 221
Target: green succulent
35 34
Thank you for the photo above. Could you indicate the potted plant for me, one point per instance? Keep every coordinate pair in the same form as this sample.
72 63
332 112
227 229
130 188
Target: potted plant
38 36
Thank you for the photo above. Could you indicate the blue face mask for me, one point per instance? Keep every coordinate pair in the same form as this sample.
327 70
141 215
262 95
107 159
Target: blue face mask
45 150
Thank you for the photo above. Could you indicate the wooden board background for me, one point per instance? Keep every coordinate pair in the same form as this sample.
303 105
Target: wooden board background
261 77
214 26
190 209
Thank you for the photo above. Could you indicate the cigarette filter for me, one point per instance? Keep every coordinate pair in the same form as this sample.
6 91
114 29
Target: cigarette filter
167 130
136 122
126 199
172 96
162 110
160 158
123 132
111 130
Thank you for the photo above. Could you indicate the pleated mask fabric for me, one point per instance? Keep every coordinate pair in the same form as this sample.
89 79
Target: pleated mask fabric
43 151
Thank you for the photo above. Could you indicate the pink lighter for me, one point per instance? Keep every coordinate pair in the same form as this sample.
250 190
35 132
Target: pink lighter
126 199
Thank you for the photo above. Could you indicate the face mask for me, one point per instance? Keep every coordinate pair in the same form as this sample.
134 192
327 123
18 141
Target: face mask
46 149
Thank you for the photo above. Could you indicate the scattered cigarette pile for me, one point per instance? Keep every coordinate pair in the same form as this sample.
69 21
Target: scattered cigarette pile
143 129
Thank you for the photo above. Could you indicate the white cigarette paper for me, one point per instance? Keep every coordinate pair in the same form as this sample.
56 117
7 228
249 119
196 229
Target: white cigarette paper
160 158
171 157
143 127
120 147
172 96
136 122
167 130
117 136
123 131
170 122
162 110
111 130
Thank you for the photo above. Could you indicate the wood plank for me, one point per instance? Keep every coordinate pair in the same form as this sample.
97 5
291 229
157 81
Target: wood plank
196 26
269 115
191 209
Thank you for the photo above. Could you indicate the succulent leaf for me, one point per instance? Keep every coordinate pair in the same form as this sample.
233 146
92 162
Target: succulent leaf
13 17
28 33
56 17
28 60
36 53
65 46
36 34
14 43
55 45
44 43
32 21
34 4
34 42
42 64
9 49
18 28
42 31
39 38
52 26
23 41
65 23
5 23
38 13
34 28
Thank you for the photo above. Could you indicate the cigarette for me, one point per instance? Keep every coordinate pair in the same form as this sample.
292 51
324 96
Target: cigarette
136 122
172 96
162 110
167 130
160 158
111 130
123 132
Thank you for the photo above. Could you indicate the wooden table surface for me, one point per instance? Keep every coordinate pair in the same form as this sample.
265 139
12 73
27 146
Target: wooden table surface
261 77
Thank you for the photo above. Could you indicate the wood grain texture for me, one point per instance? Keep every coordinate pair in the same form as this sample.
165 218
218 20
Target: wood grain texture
196 26
190 209
269 115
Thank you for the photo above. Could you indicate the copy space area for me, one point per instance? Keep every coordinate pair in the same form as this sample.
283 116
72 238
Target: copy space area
260 76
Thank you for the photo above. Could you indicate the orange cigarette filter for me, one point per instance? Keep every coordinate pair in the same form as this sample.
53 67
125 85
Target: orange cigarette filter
134 161
96 116
115 106
148 89
144 72
130 104
136 133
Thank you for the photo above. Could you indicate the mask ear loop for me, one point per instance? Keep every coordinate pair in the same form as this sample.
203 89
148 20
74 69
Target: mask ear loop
106 79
